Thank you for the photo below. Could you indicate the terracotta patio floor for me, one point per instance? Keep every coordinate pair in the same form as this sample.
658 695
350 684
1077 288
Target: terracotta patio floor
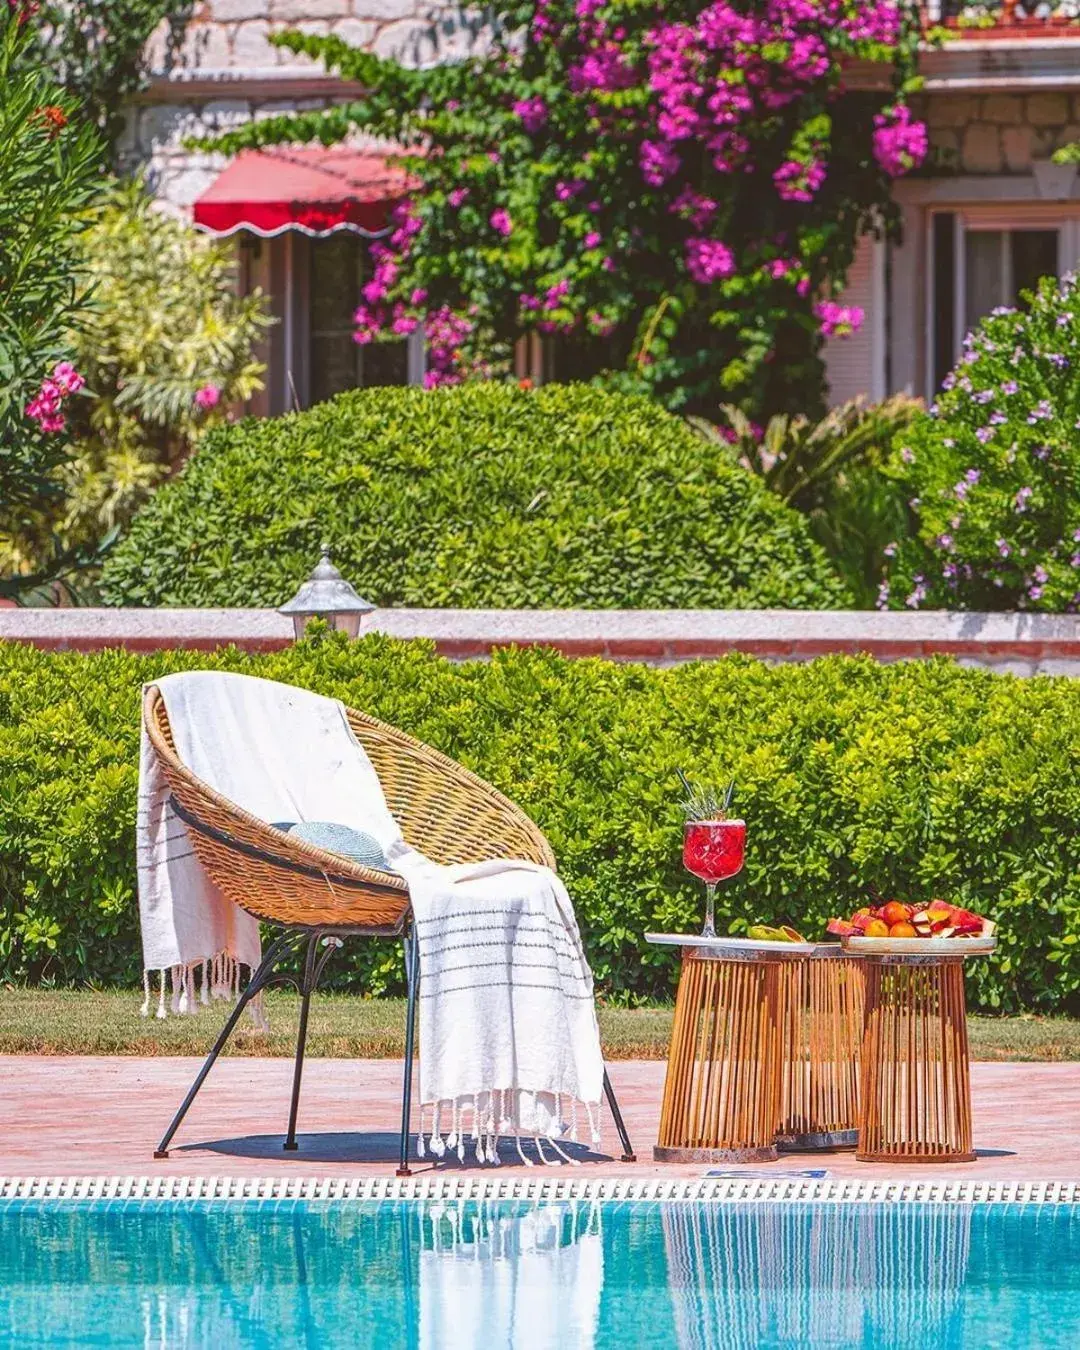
102 1116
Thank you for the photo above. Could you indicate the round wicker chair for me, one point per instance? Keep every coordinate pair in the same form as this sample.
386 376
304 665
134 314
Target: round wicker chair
443 809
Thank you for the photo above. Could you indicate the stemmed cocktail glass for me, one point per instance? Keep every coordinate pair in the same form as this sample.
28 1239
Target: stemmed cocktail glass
713 850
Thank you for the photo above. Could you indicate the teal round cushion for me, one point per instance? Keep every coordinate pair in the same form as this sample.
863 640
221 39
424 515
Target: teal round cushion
356 845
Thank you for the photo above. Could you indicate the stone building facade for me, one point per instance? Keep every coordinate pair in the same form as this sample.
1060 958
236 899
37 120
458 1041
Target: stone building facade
227 72
989 215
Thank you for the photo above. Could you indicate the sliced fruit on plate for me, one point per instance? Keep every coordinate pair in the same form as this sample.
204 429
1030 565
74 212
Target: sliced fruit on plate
763 932
894 918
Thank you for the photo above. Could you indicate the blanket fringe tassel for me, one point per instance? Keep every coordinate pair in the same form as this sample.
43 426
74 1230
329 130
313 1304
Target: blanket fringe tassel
495 1114
198 983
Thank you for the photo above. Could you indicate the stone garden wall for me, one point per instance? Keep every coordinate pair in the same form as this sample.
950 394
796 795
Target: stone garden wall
1015 644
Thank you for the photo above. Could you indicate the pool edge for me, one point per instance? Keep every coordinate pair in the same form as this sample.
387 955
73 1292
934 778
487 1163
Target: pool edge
546 1188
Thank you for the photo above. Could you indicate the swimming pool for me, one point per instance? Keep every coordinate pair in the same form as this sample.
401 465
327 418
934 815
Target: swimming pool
568 1271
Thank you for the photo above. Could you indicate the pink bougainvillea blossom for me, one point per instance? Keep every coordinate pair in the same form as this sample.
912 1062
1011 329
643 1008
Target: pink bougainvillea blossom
838 320
798 182
900 142
664 112
694 207
207 397
533 113
658 162
708 260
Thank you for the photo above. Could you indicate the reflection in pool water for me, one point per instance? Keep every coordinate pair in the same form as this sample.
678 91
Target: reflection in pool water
699 1276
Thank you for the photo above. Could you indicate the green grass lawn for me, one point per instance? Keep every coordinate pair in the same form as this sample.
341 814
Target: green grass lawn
87 1022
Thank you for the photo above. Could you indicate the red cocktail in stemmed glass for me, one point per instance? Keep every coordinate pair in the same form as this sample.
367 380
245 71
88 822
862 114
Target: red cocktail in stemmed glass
713 850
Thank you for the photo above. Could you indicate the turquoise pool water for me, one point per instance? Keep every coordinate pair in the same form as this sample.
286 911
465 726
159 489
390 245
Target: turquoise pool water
461 1274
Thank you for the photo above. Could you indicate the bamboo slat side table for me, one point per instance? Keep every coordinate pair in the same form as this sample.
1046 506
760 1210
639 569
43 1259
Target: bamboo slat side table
722 1090
821 1038
916 1084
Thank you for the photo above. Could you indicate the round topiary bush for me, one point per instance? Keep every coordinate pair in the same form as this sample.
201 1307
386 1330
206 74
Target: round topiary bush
486 495
992 470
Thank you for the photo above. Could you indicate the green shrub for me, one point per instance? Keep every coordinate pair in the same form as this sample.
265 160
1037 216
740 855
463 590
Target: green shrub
919 779
832 472
992 471
488 495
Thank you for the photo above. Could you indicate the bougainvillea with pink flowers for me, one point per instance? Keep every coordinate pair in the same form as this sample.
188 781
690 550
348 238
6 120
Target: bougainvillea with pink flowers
670 190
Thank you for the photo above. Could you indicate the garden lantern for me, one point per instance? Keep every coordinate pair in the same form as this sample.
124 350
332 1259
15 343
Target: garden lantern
327 595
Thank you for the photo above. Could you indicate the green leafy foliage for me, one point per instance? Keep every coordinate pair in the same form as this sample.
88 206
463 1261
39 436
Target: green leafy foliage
482 496
166 324
48 167
917 779
833 472
992 470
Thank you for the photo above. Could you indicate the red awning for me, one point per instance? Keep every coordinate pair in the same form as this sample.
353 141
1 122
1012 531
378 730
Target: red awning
312 189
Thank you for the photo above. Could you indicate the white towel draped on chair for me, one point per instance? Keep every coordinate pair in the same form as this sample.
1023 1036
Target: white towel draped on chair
508 1033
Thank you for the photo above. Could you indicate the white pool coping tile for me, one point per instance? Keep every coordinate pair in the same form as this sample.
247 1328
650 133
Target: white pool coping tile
942 1190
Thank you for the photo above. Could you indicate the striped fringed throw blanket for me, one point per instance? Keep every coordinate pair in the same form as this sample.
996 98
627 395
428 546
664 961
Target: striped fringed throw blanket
508 1037
509 1043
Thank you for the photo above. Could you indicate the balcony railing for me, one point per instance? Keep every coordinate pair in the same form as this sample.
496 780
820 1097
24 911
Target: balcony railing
983 15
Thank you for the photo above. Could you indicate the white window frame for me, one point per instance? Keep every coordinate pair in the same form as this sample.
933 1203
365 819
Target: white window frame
996 217
295 328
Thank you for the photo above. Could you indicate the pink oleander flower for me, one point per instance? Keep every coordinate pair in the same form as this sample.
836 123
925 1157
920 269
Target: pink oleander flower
838 320
209 396
500 221
46 407
708 260
900 143
68 378
592 239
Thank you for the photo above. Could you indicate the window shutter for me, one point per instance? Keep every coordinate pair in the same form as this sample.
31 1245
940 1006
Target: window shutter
849 362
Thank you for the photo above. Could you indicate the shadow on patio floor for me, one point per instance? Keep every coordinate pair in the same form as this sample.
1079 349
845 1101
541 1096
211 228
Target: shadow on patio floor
357 1147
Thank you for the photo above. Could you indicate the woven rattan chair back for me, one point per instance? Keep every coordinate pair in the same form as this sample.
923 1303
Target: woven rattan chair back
443 810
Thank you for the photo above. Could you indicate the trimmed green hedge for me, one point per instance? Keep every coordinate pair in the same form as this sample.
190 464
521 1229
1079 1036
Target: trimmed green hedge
481 496
920 779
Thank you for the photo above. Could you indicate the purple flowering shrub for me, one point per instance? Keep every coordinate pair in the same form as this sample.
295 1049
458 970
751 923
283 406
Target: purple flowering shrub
992 469
682 183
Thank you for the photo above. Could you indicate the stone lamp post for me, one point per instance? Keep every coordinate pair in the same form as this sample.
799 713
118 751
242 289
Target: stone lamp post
327 595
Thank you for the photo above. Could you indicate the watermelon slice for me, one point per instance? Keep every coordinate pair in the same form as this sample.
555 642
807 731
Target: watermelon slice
966 923
861 922
840 928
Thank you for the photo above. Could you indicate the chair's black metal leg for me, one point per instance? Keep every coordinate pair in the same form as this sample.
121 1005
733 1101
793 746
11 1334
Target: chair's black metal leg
255 984
609 1092
412 978
306 989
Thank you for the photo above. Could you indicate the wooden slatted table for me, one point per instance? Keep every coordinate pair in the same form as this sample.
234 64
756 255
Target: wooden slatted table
821 1040
722 1093
916 1085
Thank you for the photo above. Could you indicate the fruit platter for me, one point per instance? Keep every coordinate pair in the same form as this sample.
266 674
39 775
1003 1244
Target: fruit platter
934 927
